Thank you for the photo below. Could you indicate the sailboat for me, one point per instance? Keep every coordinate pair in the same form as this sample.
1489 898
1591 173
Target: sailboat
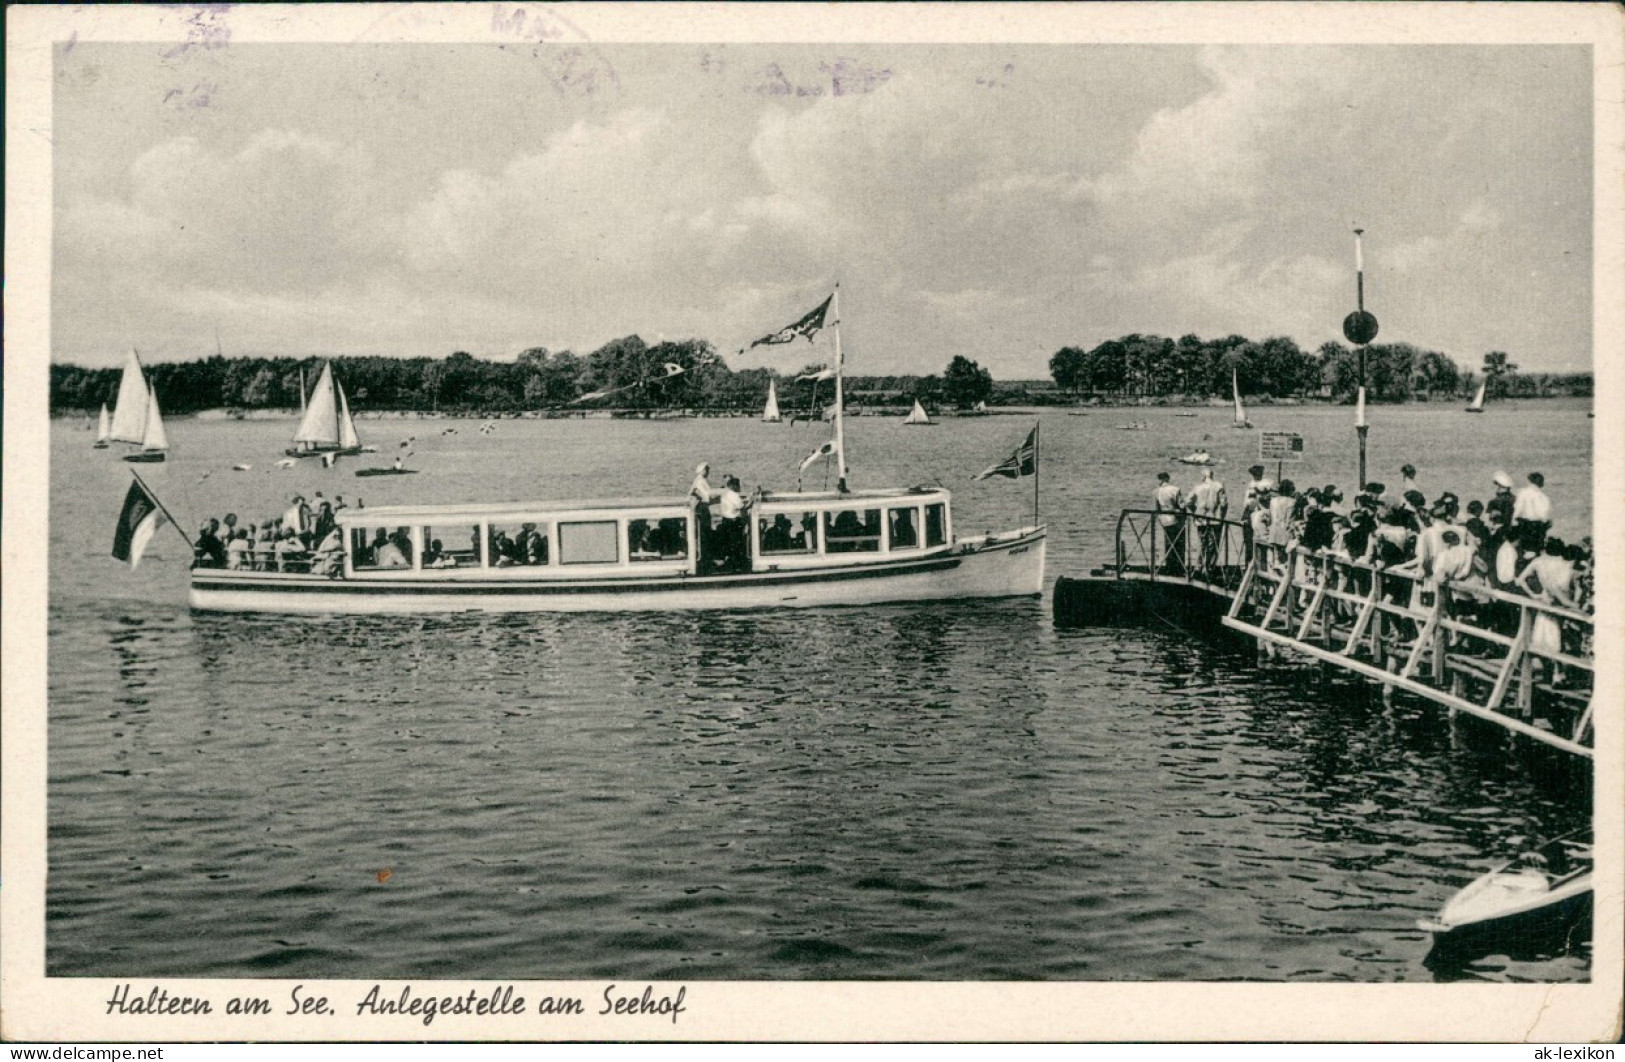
104 429
154 442
770 413
917 415
135 415
1477 404
1241 420
326 426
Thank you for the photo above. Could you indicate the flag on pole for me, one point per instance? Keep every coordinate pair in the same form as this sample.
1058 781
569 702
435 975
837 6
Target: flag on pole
807 327
1024 462
672 368
140 519
816 375
826 450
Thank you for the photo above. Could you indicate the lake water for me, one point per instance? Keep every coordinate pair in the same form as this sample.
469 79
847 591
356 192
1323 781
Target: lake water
962 791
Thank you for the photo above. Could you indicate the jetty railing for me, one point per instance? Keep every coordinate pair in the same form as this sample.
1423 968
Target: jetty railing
1198 550
1521 663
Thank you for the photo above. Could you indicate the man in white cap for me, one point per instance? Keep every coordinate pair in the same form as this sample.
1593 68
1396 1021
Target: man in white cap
1502 502
700 495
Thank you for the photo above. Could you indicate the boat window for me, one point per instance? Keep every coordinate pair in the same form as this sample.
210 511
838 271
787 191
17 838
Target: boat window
453 546
376 548
516 542
651 540
589 543
936 524
852 531
788 533
904 527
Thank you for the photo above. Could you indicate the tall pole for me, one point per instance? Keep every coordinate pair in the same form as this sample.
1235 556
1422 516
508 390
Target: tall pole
1037 445
1362 428
1360 328
840 399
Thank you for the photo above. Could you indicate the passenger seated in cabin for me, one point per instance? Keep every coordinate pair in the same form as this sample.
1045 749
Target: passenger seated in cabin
291 554
403 542
778 538
902 529
500 550
208 550
432 554
389 554
329 558
237 551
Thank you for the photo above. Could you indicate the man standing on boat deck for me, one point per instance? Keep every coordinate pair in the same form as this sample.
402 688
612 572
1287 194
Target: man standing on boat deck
1169 504
731 527
1208 500
700 495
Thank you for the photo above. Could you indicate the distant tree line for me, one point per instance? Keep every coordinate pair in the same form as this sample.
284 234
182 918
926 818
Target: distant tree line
1147 366
634 374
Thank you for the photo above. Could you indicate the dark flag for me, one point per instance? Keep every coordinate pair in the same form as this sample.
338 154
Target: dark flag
807 326
1024 462
140 519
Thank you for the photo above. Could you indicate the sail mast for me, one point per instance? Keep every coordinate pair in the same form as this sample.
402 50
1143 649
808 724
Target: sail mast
840 399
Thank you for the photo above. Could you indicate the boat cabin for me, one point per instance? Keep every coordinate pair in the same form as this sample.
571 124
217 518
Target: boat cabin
643 538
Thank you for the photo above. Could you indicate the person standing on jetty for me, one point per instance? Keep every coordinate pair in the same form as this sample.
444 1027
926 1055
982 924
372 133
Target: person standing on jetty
1169 504
1208 501
1249 505
1532 514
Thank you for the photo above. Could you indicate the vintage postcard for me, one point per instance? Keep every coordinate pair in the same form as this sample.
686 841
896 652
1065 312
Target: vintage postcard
945 522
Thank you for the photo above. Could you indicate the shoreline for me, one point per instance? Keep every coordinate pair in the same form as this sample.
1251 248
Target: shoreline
635 413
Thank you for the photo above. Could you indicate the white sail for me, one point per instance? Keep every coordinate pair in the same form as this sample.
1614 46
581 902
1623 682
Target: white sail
320 424
917 415
130 409
770 414
104 426
347 436
1235 392
154 440
1478 399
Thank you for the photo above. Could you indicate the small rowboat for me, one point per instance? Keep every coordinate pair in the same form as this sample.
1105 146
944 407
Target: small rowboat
1543 894
386 471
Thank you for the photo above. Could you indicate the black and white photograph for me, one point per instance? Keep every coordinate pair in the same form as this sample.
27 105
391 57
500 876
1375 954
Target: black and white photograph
813 522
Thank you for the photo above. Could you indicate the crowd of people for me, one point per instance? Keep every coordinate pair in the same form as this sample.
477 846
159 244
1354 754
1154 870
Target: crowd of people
1501 543
305 538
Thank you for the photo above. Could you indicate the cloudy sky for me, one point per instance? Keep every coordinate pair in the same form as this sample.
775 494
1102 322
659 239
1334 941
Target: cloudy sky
995 201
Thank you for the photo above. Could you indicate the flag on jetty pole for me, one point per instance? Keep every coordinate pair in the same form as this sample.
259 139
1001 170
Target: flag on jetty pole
1024 462
137 523
826 450
808 326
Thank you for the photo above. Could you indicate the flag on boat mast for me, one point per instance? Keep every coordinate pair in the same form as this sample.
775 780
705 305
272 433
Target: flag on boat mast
826 450
808 326
1024 462
138 521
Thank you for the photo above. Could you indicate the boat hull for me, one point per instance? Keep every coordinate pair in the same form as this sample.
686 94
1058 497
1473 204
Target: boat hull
1001 566
144 458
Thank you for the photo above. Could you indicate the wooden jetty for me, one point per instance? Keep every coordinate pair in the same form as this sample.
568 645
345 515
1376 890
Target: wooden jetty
1469 648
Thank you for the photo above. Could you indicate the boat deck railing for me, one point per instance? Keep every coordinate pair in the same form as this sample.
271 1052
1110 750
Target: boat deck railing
1205 551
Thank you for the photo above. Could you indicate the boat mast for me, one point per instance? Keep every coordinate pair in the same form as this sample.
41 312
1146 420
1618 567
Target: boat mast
840 400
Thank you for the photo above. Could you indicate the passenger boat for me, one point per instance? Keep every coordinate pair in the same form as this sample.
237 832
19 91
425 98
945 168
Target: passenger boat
1542 893
789 550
